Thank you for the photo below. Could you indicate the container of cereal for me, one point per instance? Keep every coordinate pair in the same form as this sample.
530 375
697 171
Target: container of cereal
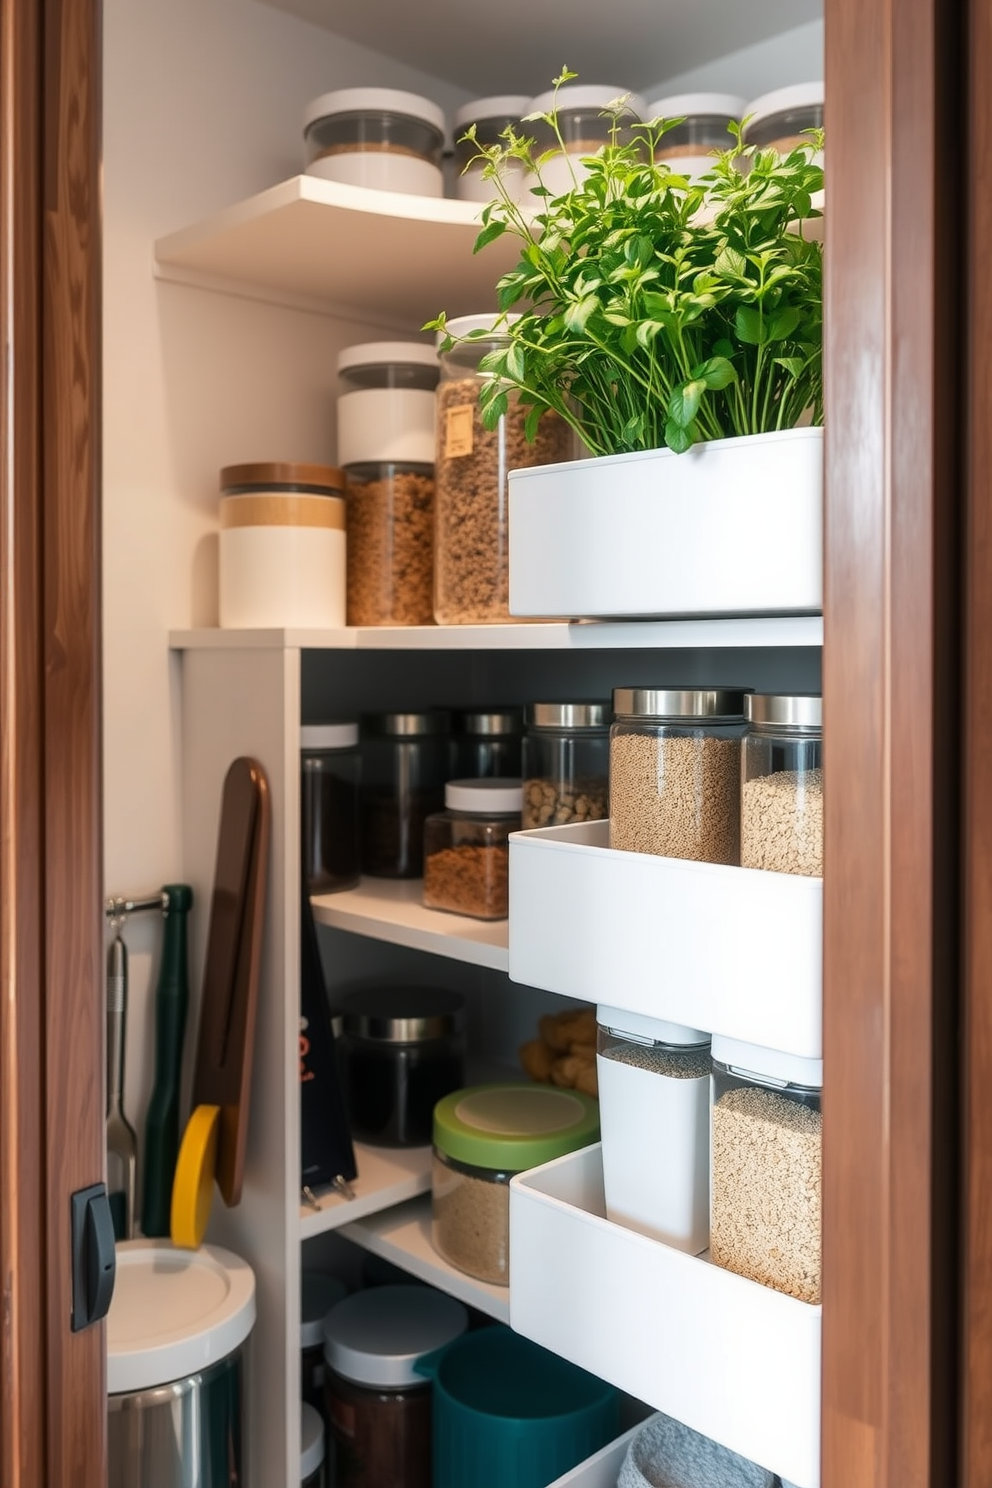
482 1138
782 784
467 848
654 1104
765 1181
488 117
329 771
566 763
380 137
675 786
688 146
586 122
471 556
404 767
487 742
776 121
385 421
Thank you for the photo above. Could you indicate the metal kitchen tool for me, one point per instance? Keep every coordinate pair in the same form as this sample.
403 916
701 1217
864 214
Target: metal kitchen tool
122 1145
162 1121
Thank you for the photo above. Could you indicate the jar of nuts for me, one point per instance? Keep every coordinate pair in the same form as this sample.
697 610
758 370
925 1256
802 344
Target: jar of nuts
566 763
471 577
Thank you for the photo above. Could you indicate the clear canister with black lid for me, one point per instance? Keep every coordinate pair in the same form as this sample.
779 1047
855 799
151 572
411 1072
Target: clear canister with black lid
404 767
782 784
402 1050
766 1166
486 742
675 780
566 763
777 120
329 775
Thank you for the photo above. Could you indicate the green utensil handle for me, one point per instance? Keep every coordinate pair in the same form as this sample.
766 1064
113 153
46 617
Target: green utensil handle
162 1122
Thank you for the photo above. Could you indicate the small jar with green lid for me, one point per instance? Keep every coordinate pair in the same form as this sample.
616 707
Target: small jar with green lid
483 1137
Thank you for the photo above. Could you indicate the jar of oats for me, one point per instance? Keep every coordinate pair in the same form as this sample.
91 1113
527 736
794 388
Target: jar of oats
566 762
782 784
471 532
675 783
688 147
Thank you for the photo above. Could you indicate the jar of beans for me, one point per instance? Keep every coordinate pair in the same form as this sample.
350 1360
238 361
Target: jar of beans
566 763
404 767
471 556
675 775
782 784
466 848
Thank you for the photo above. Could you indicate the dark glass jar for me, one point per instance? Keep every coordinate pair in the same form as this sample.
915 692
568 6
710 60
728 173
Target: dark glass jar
404 766
403 1049
329 771
486 743
319 1292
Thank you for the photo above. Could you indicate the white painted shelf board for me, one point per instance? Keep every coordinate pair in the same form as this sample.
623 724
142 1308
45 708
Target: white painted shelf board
392 910
403 1235
580 635
386 1176
381 254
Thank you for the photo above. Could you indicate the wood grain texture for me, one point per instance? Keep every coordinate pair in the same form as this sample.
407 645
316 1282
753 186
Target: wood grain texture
890 657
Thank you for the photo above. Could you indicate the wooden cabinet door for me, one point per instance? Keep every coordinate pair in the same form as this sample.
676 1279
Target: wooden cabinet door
52 1381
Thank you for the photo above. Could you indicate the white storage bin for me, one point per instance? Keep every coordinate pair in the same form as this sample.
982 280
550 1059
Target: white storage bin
602 1469
736 951
736 1361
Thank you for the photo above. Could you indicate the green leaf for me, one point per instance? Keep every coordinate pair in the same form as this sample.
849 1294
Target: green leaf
749 326
717 372
515 367
793 365
489 234
731 263
684 403
577 316
531 421
782 324
677 438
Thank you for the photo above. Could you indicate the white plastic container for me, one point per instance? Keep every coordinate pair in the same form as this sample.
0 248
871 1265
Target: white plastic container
379 137
688 148
490 117
387 411
776 120
654 1094
282 547
585 125
311 1448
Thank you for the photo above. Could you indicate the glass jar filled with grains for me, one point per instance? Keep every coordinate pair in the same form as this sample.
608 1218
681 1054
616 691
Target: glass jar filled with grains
466 848
586 122
486 743
766 1166
379 137
483 1137
675 780
776 121
404 767
782 784
489 116
385 422
566 763
471 532
689 146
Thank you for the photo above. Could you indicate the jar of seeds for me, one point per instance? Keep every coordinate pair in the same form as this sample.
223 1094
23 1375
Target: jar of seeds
782 784
675 785
471 556
766 1166
566 763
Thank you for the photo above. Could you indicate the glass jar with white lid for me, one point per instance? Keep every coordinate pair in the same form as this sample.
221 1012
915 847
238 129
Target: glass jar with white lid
466 848
687 148
380 137
489 116
777 120
782 784
586 123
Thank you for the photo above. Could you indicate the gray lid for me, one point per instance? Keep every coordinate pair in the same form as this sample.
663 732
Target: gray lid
489 721
797 710
406 725
679 702
496 795
377 1337
317 736
585 715
403 1015
311 1441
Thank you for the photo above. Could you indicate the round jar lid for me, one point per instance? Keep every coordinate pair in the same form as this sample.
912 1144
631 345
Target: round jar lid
696 106
328 736
659 1030
403 1015
797 710
784 101
679 702
503 106
311 1441
174 1312
586 715
496 796
387 354
496 721
374 101
573 97
376 1337
405 725
792 1069
510 1128
464 325
282 475
319 1292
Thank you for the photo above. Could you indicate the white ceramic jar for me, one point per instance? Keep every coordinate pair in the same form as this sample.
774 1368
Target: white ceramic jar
379 137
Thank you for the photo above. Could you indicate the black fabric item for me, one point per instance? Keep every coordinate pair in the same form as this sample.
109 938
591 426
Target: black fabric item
326 1149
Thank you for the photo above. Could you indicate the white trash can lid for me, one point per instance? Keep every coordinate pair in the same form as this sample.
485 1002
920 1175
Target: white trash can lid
174 1312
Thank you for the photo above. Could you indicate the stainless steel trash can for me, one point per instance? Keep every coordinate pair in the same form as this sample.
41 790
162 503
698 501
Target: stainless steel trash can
176 1340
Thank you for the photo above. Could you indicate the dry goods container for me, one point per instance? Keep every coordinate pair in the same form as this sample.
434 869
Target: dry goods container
380 137
329 774
490 116
688 147
782 784
585 123
404 767
311 1448
566 763
319 1292
776 121
466 848
486 743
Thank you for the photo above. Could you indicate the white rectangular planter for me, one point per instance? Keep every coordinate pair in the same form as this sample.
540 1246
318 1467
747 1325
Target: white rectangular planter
732 1359
736 951
733 527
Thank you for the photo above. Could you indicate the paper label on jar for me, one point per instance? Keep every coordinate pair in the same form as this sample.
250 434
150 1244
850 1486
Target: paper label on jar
458 430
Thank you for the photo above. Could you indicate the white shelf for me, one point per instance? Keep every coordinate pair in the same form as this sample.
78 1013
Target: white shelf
375 255
580 635
386 1176
392 910
403 1235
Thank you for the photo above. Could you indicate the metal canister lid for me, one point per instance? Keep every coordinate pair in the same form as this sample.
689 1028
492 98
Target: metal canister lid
403 1015
796 710
583 715
406 725
282 475
490 722
679 702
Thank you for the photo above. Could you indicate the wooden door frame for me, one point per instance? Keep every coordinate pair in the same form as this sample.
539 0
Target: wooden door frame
52 1381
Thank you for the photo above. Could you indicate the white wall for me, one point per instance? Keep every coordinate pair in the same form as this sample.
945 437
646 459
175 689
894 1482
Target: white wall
795 56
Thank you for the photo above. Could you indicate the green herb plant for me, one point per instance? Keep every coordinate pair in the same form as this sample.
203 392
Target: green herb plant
657 310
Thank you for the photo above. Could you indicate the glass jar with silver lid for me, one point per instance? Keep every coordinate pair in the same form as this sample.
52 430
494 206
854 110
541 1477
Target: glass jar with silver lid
404 768
566 763
486 743
782 784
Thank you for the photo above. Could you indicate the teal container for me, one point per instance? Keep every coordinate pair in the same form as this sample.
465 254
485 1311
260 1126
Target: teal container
507 1412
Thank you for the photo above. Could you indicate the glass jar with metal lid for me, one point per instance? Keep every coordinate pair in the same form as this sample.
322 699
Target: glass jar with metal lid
687 148
404 767
782 784
675 783
483 1137
379 137
467 848
776 121
766 1166
329 768
566 763
403 1048
489 116
486 743
586 123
